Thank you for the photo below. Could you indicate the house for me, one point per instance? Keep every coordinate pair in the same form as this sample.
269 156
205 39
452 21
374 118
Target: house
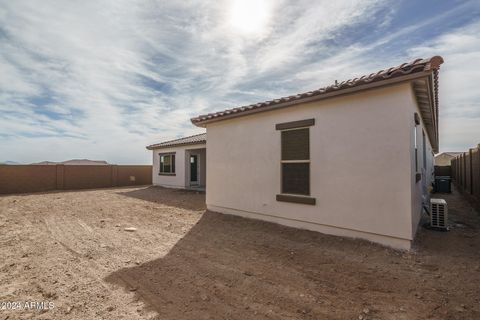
180 163
353 159
445 158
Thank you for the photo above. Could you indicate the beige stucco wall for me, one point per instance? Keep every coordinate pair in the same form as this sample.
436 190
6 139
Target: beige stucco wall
181 178
360 166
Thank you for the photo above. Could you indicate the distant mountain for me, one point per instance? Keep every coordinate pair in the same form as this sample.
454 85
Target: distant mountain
9 162
74 162
45 162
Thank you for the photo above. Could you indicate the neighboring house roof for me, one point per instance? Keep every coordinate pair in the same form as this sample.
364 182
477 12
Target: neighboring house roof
195 139
445 158
451 154
425 91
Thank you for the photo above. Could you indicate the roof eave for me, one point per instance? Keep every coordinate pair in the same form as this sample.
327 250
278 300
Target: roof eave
328 95
426 99
155 147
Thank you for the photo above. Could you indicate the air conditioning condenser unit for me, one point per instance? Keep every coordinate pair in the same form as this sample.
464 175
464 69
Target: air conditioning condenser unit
438 214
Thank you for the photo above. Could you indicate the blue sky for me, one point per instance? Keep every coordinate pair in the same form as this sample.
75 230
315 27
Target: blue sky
103 79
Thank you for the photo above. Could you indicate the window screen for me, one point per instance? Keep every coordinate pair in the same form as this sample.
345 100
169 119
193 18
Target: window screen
296 178
296 161
296 144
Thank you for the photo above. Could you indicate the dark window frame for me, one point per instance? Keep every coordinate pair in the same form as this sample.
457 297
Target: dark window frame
287 195
295 162
171 167
424 150
415 146
417 122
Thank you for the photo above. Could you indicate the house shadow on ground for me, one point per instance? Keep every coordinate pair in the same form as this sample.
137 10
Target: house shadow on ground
227 267
180 198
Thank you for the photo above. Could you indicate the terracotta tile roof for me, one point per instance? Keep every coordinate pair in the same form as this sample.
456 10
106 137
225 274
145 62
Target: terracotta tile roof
195 139
418 66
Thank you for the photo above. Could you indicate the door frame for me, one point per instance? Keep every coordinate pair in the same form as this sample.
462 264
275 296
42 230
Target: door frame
197 160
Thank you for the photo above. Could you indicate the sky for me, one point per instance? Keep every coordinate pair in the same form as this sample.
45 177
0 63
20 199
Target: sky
103 79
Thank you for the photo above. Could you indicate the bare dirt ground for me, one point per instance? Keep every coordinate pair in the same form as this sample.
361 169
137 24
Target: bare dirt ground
181 263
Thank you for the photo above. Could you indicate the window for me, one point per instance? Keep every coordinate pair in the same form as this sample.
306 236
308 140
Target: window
295 161
416 147
424 147
418 175
167 163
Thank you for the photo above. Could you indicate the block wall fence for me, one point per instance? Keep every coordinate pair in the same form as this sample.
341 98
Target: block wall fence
466 172
40 178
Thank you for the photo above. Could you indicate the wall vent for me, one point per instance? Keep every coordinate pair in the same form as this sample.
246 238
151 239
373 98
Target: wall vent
438 214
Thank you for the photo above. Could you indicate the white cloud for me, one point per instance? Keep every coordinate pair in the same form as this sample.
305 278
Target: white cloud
302 23
459 78
102 79
79 75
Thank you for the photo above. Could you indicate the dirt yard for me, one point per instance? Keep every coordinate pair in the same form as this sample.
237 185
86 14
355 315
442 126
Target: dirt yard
71 248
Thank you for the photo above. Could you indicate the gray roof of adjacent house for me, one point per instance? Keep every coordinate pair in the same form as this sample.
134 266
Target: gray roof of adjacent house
448 154
195 139
445 158
453 154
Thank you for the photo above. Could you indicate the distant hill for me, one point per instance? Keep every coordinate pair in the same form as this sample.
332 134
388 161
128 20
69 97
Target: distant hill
75 162
9 162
